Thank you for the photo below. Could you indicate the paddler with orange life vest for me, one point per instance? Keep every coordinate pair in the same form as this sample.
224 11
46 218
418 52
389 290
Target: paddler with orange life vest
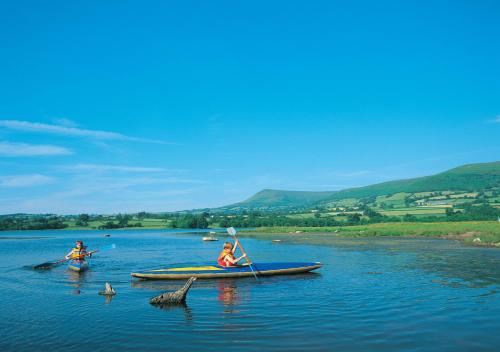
226 257
79 252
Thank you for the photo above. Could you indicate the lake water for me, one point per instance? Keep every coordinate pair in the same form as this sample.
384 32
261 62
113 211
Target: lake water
372 294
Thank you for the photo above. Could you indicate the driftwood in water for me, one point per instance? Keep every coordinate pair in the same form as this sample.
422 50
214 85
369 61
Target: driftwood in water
108 290
177 297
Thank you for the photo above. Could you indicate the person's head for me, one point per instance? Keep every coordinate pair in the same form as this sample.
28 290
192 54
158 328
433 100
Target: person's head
79 244
228 245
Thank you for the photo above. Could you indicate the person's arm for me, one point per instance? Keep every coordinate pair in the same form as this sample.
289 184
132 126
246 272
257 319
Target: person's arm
67 256
235 246
228 258
240 258
234 261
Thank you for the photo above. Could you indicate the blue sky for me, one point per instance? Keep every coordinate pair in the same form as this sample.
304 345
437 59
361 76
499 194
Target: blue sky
124 106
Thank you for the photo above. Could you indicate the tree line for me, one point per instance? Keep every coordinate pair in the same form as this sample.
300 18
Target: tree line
248 219
365 215
31 223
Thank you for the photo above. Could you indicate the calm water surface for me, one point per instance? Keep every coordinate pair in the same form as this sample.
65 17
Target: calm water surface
372 294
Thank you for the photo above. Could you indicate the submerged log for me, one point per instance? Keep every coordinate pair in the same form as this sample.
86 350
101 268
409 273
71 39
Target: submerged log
108 290
177 297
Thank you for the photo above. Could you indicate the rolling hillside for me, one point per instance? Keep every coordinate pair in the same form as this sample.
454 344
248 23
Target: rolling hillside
474 177
277 198
467 178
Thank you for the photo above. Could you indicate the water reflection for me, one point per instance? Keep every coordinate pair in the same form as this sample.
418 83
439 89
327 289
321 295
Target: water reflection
108 299
366 289
188 312
162 285
24 238
470 267
76 280
457 266
228 294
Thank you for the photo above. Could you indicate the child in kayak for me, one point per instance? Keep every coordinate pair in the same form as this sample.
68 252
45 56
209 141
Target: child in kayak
78 253
226 257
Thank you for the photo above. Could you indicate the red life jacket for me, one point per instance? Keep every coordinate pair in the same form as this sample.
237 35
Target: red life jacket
221 260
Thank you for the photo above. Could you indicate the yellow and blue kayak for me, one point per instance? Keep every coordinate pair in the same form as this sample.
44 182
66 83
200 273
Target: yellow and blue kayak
217 271
78 265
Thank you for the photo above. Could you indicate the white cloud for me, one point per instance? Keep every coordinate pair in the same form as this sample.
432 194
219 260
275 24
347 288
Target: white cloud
64 122
111 206
494 120
24 149
25 181
113 196
72 131
119 168
113 187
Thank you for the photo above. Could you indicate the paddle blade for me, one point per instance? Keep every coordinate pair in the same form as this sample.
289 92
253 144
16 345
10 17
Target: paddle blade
231 231
49 265
104 249
44 266
107 248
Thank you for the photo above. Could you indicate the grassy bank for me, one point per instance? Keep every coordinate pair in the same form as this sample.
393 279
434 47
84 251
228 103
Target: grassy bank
473 232
485 233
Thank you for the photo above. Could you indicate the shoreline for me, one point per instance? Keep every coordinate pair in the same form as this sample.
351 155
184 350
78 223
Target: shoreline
475 233
459 238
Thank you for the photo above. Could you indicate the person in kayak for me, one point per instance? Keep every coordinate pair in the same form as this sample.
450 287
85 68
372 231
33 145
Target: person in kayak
78 253
226 257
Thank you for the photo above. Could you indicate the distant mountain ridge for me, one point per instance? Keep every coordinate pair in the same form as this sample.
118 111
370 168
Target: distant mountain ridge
271 197
472 177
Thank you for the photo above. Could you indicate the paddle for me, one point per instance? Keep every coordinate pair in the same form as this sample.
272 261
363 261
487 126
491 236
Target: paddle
50 265
232 232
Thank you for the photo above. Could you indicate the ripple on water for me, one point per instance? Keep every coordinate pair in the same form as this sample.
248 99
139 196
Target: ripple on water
370 295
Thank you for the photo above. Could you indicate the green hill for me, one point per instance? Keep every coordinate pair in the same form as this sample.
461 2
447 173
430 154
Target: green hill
467 178
473 177
270 198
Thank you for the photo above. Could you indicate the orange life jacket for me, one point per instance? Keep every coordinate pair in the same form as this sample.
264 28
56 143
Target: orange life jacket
221 260
79 253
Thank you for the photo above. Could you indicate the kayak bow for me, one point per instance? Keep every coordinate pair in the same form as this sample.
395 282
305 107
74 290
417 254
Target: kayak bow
78 265
217 271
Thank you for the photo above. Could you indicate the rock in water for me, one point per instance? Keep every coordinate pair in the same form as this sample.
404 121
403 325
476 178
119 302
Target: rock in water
177 297
108 290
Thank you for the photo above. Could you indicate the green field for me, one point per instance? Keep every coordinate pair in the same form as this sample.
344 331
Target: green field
488 232
301 215
414 211
396 200
147 223
397 211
